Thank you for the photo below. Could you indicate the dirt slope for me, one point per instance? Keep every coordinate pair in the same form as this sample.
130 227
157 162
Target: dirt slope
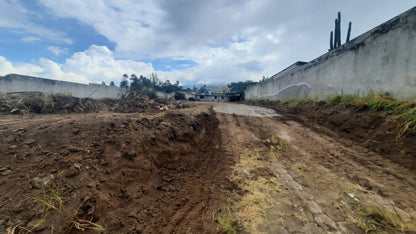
127 173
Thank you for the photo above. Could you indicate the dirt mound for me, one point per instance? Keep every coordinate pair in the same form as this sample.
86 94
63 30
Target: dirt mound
40 103
375 130
122 173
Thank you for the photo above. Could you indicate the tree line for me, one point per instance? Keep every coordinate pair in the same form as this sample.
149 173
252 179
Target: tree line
135 83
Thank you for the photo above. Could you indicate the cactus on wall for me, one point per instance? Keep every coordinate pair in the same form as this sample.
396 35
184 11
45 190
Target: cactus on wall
339 29
336 34
335 37
331 43
348 33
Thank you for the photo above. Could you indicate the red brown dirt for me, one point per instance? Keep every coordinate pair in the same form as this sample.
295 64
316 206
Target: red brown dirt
179 171
131 173
374 130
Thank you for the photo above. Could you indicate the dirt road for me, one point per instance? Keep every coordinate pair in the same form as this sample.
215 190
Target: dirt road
301 180
235 168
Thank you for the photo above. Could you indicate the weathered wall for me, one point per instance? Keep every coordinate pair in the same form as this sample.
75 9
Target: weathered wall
17 83
381 60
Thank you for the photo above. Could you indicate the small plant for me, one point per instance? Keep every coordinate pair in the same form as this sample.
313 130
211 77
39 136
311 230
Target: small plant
277 144
51 200
374 218
226 225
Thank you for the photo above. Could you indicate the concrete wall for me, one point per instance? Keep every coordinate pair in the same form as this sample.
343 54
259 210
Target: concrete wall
381 60
17 83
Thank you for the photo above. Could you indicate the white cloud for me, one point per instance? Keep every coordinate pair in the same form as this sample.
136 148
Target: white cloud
57 50
96 64
30 39
230 40
15 16
6 67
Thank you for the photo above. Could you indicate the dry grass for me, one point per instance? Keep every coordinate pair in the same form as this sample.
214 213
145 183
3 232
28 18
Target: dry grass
52 201
253 205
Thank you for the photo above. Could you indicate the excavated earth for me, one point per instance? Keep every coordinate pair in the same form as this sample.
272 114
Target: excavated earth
209 168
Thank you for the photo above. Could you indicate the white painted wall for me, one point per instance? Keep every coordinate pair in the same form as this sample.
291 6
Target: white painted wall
17 83
381 60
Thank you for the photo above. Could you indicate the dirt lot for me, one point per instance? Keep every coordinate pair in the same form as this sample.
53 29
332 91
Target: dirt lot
228 168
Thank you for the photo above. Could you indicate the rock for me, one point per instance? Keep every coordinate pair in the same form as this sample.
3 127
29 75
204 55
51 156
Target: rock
132 213
2 222
20 130
74 149
13 147
6 172
38 182
72 172
15 111
3 169
29 141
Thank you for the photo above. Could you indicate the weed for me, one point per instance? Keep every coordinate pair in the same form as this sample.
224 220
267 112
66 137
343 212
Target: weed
377 218
404 110
17 229
51 199
365 225
277 144
226 225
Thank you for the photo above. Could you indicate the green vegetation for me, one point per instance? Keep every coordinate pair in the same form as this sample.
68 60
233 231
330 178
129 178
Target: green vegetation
142 82
239 87
372 218
277 144
51 200
226 225
382 103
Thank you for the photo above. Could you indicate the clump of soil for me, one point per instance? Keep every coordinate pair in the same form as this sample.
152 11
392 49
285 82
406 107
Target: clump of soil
120 172
40 103
377 131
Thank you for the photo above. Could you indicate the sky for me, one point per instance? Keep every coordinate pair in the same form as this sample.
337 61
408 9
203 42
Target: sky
197 42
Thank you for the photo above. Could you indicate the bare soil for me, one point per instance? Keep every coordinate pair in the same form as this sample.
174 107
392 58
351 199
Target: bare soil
210 168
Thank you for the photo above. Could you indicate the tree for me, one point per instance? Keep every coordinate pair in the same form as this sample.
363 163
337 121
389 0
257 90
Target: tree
124 82
240 86
112 83
103 83
202 89
134 84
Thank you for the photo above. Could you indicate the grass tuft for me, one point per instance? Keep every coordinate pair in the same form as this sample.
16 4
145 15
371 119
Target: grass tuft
404 110
226 225
277 144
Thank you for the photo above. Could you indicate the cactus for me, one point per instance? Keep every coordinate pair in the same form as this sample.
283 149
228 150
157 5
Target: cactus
339 29
336 34
335 37
348 33
331 41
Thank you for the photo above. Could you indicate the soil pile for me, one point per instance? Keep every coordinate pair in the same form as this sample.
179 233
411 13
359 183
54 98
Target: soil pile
40 103
125 173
